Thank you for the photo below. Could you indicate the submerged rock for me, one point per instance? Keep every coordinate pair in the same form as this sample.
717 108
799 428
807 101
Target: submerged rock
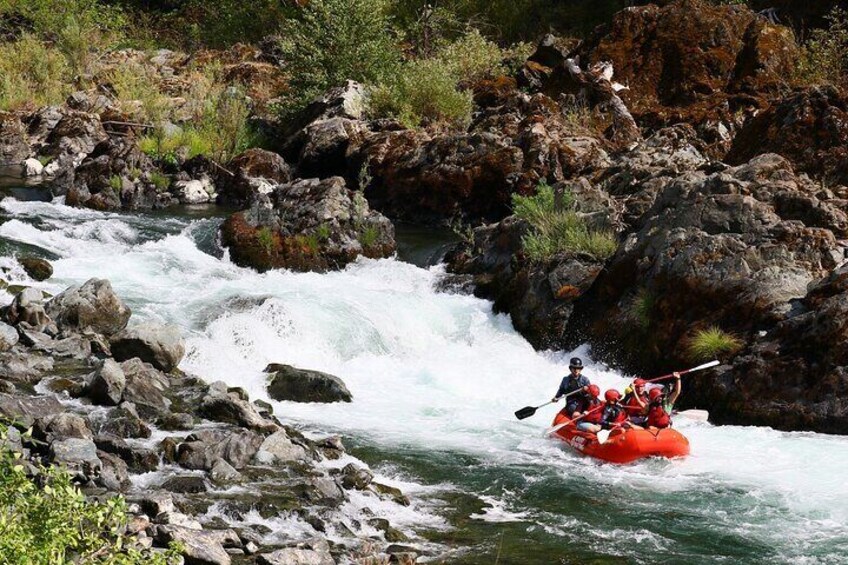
301 385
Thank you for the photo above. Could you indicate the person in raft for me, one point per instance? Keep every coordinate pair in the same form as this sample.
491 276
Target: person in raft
613 414
659 409
571 383
636 402
590 411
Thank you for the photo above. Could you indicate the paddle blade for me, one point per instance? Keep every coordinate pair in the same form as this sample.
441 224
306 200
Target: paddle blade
697 415
525 412
603 436
709 365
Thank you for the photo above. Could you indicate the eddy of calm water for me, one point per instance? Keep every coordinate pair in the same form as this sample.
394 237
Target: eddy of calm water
436 378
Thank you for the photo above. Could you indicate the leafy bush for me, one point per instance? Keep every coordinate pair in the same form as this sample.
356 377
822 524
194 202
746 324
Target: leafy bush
116 183
137 90
824 58
557 228
331 41
160 181
32 74
710 343
368 236
52 522
265 238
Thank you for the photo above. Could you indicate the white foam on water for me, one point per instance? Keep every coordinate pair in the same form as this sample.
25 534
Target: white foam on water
428 371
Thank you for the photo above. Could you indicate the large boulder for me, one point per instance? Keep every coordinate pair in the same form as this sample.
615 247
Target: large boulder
107 383
301 385
145 387
25 409
93 306
202 449
160 345
198 547
255 171
78 455
279 448
809 127
307 225
229 407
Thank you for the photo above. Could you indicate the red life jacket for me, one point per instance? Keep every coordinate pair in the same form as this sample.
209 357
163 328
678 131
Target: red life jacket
613 414
633 408
595 407
657 416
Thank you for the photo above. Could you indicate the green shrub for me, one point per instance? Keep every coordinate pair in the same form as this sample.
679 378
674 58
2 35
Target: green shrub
710 343
368 236
32 74
323 232
641 308
265 238
52 522
116 182
824 58
331 41
160 181
137 90
557 228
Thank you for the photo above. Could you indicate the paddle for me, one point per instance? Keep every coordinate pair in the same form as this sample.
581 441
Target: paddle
560 426
709 365
528 411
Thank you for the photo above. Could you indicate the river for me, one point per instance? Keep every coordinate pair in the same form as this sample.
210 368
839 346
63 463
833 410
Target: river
436 378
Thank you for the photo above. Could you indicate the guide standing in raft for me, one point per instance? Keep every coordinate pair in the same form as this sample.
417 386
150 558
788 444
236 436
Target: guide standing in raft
571 383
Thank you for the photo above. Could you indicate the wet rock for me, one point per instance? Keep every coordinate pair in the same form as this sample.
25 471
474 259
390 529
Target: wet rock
392 493
93 306
202 448
139 459
355 477
114 474
145 387
124 422
33 168
14 147
223 473
199 547
257 171
195 191
26 367
177 421
278 448
78 454
185 484
160 345
331 447
37 268
25 409
75 135
230 408
307 225
392 535
301 385
60 426
156 502
107 383
27 308
313 552
323 490
809 127
8 336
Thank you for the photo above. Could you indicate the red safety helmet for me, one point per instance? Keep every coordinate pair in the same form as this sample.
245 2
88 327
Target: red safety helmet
654 393
594 390
639 382
612 395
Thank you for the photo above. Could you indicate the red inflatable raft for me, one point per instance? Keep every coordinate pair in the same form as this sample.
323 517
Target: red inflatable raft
624 446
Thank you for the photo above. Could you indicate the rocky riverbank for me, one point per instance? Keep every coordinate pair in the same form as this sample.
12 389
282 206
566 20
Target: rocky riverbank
199 462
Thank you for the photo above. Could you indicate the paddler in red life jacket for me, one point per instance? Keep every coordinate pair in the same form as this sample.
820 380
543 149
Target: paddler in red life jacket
636 402
659 409
570 383
590 411
613 413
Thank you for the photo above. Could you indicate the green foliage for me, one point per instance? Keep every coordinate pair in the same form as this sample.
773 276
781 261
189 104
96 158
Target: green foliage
557 228
368 236
265 238
824 58
32 74
710 343
160 181
323 232
641 308
116 182
137 89
52 522
331 41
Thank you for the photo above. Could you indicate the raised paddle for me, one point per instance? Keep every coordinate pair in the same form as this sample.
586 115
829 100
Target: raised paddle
709 365
528 411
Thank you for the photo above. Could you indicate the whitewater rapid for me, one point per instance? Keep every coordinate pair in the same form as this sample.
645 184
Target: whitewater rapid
434 372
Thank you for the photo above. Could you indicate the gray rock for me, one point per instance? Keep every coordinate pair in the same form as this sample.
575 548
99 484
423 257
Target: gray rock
195 191
107 383
313 552
77 454
323 490
8 336
27 308
24 410
301 385
355 477
124 422
199 547
203 448
37 268
223 473
160 345
278 448
26 367
145 387
61 426
114 475
155 502
93 306
185 484
14 146
230 408
139 459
